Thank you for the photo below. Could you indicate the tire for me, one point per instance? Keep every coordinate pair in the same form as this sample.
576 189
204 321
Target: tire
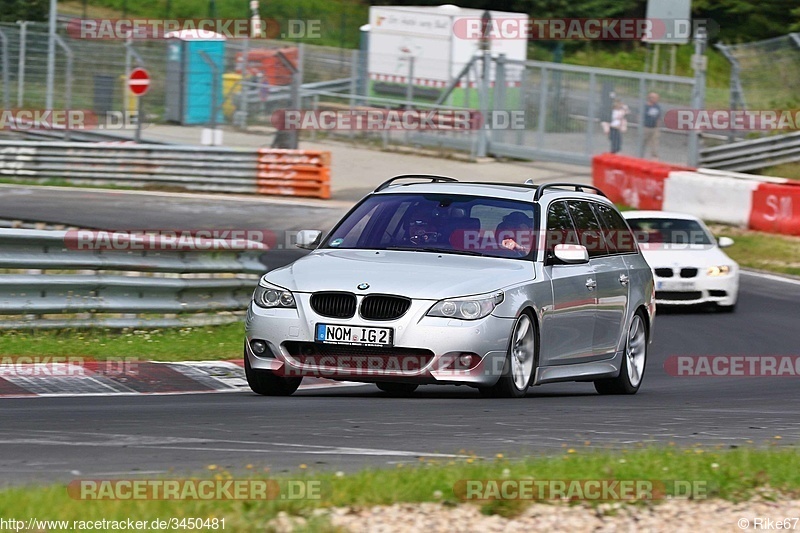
266 383
398 389
521 360
634 359
726 308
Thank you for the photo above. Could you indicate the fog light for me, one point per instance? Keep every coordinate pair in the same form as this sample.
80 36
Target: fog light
465 361
258 346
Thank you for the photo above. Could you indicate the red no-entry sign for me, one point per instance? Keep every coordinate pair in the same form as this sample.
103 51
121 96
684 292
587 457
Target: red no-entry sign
139 81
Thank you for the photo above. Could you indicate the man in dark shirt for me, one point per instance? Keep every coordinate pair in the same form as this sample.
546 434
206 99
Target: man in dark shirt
652 117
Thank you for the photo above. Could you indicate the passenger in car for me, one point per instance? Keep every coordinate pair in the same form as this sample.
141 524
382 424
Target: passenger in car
515 232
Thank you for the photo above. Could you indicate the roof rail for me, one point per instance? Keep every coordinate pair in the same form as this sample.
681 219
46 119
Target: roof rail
433 179
577 186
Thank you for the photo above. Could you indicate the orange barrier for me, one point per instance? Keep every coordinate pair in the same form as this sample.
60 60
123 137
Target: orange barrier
776 208
632 181
294 173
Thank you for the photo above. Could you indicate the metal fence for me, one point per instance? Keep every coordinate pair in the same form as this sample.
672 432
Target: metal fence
563 105
764 74
45 282
193 168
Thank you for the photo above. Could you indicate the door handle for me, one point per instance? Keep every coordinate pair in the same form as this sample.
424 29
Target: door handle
623 279
591 284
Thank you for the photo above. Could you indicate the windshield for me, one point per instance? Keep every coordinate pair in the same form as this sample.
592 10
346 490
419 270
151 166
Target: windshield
459 224
669 231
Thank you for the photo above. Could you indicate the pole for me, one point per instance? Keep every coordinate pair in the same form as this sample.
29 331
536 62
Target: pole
699 90
138 137
23 37
6 89
51 54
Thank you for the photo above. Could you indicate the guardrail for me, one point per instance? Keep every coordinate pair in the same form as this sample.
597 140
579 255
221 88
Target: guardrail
193 168
45 282
753 154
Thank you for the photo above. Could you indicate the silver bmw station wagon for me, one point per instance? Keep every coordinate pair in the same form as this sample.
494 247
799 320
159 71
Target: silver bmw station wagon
430 280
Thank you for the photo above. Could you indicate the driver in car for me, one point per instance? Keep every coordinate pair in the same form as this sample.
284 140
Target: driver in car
422 226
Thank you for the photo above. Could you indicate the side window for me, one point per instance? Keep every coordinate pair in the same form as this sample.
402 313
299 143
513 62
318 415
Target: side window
560 229
589 229
619 237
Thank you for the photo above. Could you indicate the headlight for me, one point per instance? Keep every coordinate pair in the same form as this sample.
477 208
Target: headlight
467 308
270 296
721 270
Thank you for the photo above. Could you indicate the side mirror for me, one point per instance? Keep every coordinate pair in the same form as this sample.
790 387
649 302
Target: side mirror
308 239
571 254
724 242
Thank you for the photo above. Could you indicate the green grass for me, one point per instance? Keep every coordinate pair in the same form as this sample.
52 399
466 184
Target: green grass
733 475
788 170
625 56
174 344
763 251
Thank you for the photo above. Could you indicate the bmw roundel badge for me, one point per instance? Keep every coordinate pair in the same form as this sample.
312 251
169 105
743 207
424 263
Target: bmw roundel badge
363 286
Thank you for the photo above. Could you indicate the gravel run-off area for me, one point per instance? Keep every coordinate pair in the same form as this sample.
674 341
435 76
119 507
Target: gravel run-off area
669 516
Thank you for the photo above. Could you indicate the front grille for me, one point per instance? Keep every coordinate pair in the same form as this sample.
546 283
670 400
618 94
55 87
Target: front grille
365 358
664 272
688 272
380 307
678 295
334 304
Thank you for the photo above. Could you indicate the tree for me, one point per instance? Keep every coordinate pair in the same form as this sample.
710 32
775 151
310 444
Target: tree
14 10
746 20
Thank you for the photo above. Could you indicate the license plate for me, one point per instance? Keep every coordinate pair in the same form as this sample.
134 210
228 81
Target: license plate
675 285
353 335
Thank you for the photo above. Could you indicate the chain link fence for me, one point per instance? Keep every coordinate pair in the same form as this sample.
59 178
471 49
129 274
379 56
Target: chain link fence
765 74
564 107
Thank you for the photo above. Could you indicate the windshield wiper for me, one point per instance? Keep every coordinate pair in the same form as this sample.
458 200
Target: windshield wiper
435 250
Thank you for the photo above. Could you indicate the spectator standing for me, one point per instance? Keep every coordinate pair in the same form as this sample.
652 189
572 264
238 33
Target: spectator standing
618 125
652 118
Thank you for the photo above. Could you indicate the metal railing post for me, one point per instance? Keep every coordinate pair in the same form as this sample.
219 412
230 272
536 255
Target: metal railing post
68 78
51 54
483 96
591 112
23 38
699 92
499 102
642 103
6 96
543 88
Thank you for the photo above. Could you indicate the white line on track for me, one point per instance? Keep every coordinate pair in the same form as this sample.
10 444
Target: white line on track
771 277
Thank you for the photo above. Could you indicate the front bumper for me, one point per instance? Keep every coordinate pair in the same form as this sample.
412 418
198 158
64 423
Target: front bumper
721 290
425 349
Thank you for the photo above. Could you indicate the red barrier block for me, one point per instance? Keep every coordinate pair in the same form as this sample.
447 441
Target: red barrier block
632 181
776 208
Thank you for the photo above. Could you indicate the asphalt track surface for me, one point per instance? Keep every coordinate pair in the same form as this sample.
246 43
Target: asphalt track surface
58 439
